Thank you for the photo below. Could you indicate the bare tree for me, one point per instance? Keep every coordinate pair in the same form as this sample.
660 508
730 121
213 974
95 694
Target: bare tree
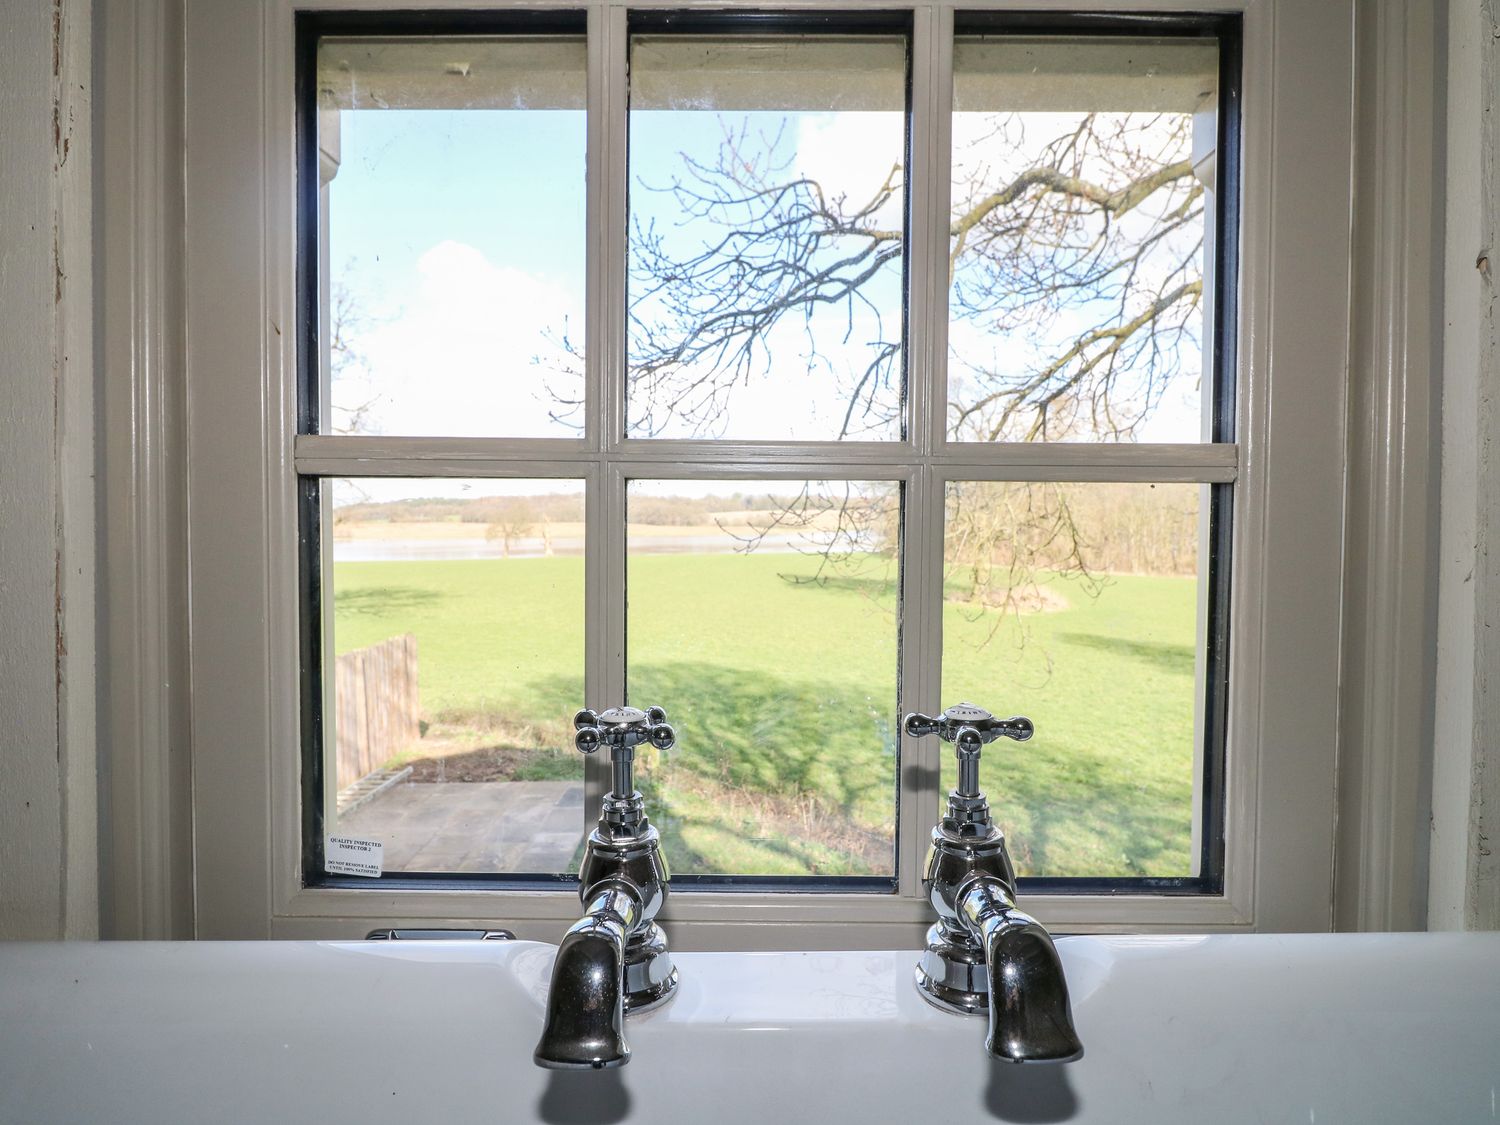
1080 250
1055 235
514 522
1100 226
347 322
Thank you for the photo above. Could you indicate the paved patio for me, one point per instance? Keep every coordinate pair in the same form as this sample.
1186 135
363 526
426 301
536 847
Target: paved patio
507 826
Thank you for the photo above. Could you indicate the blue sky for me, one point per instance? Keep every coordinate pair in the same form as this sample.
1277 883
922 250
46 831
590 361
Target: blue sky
510 184
431 210
461 237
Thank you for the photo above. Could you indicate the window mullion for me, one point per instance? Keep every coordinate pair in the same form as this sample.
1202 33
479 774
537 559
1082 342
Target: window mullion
921 648
605 364
608 170
922 555
932 124
345 455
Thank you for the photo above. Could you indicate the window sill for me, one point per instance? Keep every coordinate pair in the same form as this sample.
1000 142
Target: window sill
718 920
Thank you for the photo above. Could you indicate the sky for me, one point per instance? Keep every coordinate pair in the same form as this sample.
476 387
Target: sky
457 239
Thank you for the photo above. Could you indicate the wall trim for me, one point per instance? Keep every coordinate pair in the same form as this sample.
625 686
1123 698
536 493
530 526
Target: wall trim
1385 725
48 811
147 707
146 842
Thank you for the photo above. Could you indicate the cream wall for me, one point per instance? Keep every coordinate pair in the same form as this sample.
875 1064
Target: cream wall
1464 861
51 329
48 788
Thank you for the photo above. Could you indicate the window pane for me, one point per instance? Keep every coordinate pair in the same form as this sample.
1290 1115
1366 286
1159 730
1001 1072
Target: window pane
452 252
766 232
763 616
1079 606
1082 239
457 622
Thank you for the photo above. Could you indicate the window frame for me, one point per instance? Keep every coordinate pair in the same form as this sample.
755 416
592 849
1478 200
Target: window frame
1288 752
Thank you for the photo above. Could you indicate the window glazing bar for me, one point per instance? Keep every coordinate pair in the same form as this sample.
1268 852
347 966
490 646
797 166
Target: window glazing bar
317 454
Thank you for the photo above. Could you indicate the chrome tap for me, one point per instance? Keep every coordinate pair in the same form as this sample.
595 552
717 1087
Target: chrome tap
615 959
984 954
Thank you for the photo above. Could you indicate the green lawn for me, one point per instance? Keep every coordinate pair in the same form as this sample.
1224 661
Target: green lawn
784 697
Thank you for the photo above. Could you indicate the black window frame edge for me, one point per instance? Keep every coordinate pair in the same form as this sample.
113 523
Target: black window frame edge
309 28
1225 28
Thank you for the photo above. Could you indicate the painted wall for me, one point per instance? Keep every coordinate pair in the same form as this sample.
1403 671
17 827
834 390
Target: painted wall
1464 871
49 868
48 787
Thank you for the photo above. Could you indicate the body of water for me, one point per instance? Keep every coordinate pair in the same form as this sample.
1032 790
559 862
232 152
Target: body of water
410 550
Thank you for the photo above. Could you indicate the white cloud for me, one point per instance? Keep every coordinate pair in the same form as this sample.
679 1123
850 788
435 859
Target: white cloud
472 353
850 154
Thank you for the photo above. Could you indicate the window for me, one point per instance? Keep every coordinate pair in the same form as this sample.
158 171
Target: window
853 487
754 484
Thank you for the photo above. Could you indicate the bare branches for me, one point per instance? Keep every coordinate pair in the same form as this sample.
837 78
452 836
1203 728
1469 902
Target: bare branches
347 322
1075 287
1102 222
1102 228
1093 356
841 523
1005 541
778 248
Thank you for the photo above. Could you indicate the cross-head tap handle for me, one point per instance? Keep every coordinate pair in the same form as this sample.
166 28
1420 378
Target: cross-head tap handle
622 729
969 729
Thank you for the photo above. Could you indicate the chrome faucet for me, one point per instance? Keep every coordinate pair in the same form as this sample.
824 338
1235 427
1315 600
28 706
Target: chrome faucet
984 954
615 959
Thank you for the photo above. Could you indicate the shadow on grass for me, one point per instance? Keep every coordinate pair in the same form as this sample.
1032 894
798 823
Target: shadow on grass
811 763
381 601
1167 657
760 730
881 588
1105 831
774 775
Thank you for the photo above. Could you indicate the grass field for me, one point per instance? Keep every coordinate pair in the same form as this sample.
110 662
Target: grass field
784 697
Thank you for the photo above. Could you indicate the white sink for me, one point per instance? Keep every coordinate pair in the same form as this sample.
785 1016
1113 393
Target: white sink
1321 1029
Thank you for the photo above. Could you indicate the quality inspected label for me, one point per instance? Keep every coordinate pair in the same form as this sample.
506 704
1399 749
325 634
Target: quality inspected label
347 855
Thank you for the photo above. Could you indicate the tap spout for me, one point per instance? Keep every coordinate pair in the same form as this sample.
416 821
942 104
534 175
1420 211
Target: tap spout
585 1023
1030 1017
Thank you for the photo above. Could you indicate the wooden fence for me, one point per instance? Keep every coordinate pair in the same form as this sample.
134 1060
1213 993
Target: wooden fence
376 704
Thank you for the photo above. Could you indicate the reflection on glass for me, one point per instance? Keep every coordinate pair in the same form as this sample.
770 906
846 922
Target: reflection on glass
1082 239
763 617
457 638
1078 605
766 234
451 176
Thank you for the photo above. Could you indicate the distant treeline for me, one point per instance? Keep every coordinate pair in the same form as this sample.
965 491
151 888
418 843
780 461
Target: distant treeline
1120 528
1005 531
682 511
1137 528
484 509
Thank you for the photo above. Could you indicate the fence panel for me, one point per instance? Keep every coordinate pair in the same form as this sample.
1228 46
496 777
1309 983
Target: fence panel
377 706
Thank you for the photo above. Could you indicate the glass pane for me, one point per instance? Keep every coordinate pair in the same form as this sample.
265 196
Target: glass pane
763 616
457 623
451 176
1082 239
1080 606
767 221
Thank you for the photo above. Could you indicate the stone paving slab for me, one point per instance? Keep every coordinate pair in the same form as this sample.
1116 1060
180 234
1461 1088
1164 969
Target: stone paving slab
488 826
